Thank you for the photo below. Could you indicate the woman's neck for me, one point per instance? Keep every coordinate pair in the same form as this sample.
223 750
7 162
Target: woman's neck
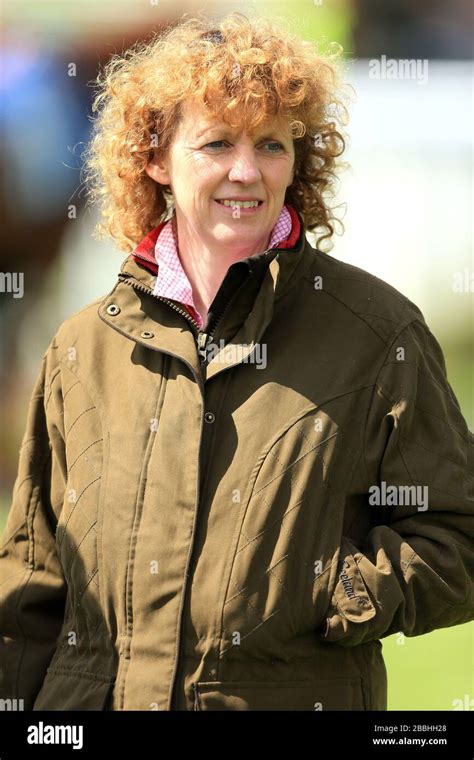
206 267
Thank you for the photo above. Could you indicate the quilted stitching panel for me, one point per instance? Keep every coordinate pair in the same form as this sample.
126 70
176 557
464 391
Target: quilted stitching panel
76 535
280 577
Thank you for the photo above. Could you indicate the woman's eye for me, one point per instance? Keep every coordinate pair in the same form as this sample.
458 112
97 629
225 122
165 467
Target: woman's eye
215 142
279 146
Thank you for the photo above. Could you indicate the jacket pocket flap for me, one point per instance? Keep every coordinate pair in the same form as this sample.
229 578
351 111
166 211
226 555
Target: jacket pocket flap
66 690
321 694
350 595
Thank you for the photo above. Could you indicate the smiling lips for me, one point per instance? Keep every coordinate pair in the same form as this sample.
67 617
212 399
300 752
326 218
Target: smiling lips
233 203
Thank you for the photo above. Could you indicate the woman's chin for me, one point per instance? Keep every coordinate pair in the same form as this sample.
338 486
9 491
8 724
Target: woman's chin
235 237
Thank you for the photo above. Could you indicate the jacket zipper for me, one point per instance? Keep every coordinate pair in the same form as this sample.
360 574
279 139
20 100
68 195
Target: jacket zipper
203 339
130 280
208 337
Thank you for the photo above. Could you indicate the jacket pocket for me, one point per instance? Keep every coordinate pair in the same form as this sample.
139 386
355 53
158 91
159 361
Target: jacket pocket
64 689
350 602
321 694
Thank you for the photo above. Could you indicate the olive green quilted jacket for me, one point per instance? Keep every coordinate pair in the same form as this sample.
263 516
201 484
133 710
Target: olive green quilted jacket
241 533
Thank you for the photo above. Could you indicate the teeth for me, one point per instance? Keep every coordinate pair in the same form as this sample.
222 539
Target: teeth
242 204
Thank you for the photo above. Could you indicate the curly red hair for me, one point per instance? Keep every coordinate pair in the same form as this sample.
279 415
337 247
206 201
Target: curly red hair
243 70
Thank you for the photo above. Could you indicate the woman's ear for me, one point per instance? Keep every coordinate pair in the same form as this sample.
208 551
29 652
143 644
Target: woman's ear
157 170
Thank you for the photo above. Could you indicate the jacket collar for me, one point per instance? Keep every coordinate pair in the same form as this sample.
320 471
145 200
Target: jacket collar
144 253
153 322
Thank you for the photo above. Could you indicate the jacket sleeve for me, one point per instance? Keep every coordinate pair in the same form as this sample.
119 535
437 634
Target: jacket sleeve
414 572
32 586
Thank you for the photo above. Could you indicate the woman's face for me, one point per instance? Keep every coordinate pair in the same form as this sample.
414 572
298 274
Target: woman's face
208 162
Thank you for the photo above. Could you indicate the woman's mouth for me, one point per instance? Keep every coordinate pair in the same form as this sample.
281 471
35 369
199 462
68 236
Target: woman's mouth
243 207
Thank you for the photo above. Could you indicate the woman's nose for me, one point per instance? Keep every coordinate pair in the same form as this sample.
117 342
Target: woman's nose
245 167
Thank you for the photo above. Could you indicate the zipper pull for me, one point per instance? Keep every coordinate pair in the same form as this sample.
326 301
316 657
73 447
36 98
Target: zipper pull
201 342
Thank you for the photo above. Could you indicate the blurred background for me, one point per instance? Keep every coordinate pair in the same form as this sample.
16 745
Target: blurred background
406 204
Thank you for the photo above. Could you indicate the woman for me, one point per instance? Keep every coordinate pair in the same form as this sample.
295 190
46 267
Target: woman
244 466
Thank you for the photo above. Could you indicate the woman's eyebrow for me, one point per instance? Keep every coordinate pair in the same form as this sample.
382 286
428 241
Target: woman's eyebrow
228 132
273 136
212 128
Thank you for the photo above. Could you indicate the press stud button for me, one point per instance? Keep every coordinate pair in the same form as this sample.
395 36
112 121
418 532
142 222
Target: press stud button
209 417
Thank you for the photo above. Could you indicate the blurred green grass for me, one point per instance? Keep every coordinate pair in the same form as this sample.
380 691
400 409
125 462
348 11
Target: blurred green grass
431 672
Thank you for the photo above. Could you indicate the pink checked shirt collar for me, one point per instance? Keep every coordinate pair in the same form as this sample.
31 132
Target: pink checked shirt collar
172 281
